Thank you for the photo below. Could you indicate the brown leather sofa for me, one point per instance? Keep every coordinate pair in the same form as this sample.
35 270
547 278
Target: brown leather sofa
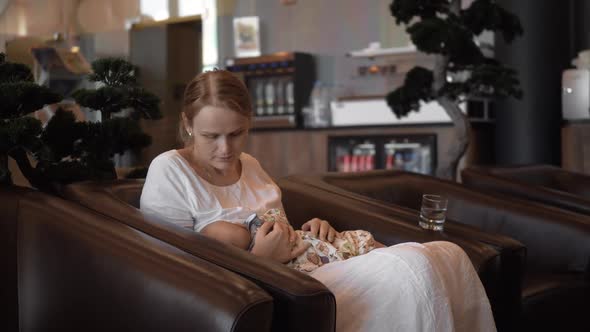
546 184
66 268
556 285
301 303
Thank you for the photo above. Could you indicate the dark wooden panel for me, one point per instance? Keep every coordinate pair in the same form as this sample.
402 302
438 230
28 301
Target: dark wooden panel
575 147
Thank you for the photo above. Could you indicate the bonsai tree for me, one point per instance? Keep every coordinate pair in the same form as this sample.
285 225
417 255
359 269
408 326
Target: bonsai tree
65 150
92 145
461 70
20 133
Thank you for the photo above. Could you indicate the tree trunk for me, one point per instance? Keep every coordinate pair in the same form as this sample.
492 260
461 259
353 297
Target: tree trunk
24 164
462 138
460 120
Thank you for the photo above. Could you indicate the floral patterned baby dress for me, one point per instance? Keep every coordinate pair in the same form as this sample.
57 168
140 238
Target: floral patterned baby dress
346 244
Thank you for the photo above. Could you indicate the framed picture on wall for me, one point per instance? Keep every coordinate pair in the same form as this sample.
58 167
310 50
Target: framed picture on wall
246 36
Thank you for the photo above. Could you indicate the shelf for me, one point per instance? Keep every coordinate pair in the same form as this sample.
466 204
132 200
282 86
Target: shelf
380 52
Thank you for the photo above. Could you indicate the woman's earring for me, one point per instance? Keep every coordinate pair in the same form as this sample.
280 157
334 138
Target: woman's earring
190 134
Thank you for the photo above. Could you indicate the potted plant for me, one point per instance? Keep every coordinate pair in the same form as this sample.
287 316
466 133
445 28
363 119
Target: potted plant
20 134
66 150
461 70
121 103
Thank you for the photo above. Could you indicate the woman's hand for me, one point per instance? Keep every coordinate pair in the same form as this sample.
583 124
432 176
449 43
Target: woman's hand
320 229
273 241
292 235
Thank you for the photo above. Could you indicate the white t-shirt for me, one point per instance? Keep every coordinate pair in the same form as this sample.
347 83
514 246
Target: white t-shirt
174 192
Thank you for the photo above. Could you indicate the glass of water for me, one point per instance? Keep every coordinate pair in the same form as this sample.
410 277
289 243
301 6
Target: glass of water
433 212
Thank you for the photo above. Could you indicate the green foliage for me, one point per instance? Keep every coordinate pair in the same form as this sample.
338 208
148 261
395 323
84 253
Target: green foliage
488 15
109 100
15 72
21 98
102 140
114 72
61 137
119 91
79 151
489 79
436 29
19 133
405 10
67 150
19 95
23 132
145 104
89 147
445 36
417 87
106 99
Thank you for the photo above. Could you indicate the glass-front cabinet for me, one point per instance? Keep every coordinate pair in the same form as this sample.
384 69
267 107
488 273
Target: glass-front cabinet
412 153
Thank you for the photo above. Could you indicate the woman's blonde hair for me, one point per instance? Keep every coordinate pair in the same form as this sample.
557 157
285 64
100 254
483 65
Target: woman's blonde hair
218 88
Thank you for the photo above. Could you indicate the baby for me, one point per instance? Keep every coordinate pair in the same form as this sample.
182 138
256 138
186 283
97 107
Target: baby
346 244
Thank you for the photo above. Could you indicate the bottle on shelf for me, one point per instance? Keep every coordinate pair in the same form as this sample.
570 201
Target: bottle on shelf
269 94
280 96
290 95
259 84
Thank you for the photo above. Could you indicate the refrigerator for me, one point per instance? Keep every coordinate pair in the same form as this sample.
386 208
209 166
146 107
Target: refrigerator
412 153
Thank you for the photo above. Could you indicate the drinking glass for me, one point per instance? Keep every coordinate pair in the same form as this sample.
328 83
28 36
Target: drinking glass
433 212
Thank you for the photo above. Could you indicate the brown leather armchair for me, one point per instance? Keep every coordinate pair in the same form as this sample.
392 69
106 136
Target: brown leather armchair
68 268
556 283
500 272
301 303
546 184
297 296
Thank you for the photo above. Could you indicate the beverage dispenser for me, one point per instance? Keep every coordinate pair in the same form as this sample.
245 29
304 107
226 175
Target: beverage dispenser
280 85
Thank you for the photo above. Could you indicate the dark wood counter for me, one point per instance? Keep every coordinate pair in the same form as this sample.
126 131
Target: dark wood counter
575 146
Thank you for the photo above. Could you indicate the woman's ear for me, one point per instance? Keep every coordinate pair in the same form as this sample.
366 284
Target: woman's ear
185 123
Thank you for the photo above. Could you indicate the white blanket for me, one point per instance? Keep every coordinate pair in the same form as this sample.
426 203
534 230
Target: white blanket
408 287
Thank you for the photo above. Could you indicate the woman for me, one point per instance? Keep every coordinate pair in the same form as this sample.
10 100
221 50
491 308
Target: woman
212 187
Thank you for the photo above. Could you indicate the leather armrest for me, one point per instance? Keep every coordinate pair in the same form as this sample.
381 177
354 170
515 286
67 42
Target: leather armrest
78 270
544 193
301 302
10 197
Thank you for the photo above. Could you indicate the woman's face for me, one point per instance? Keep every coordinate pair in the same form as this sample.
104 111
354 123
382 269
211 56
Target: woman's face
219 136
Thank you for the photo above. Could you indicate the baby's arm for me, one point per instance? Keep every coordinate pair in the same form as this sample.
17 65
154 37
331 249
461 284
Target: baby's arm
229 233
